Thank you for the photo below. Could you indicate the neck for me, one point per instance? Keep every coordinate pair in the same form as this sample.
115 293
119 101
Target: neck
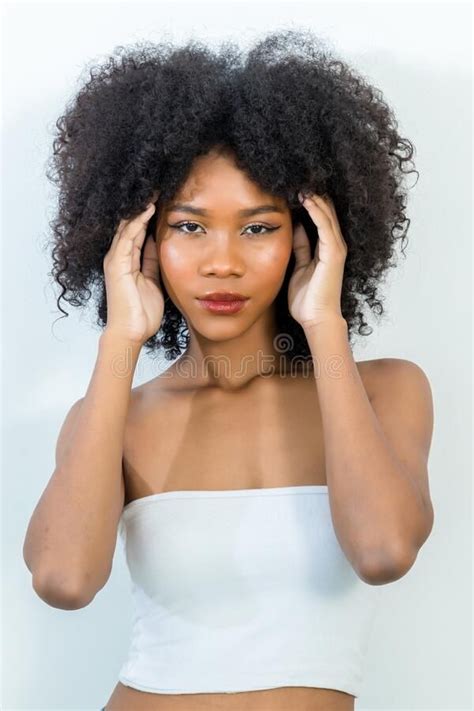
231 364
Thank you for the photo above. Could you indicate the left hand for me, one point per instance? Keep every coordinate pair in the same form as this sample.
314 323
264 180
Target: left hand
314 289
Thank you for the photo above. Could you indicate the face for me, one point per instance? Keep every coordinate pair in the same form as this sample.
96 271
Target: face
218 245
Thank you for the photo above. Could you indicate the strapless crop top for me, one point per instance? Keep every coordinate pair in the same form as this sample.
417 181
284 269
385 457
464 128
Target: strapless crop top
240 590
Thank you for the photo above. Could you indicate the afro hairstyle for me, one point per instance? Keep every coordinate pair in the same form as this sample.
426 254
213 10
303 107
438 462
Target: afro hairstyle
294 116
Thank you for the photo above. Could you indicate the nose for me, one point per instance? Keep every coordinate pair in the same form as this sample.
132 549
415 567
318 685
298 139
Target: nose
222 258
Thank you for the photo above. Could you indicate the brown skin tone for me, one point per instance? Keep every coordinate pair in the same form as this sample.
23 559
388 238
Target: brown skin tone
220 253
278 416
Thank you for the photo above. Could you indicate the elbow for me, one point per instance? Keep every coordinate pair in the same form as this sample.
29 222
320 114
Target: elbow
380 568
60 593
388 563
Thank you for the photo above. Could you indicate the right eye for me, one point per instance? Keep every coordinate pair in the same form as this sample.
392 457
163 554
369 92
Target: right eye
181 224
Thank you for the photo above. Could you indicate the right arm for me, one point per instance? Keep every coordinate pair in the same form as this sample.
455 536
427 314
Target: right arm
72 534
71 537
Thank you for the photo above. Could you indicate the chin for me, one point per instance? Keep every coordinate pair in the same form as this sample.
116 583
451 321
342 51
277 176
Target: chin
222 331
219 327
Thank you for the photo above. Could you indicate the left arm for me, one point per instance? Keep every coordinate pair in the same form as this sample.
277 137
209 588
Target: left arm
376 451
376 454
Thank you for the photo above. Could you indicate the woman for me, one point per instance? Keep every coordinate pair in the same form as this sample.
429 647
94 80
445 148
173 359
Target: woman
265 485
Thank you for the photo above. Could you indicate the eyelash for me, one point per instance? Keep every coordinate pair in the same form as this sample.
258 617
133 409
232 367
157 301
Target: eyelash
254 224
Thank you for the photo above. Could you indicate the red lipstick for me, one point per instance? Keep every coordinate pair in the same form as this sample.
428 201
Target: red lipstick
223 302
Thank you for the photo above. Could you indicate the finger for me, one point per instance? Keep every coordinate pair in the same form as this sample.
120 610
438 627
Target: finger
319 216
326 232
150 267
137 246
326 204
316 252
131 241
130 230
301 247
155 196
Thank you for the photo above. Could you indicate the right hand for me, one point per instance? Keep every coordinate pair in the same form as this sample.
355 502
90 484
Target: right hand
135 302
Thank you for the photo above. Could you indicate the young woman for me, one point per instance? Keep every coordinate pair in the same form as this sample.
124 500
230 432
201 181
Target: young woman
238 214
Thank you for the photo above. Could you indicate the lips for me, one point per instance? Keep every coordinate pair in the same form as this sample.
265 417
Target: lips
224 304
223 296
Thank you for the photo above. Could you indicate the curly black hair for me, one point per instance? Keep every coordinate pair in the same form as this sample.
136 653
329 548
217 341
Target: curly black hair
295 117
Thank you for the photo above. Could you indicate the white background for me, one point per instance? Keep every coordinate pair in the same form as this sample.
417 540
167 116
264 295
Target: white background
419 55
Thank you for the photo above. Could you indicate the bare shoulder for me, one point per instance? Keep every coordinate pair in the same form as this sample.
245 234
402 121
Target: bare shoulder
386 372
382 376
367 371
402 398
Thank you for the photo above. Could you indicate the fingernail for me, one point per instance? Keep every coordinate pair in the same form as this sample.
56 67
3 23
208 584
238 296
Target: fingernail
301 197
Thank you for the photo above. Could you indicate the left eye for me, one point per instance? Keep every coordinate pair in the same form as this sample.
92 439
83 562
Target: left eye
268 229
258 225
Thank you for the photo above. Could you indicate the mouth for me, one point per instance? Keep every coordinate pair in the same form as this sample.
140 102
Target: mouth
223 303
223 296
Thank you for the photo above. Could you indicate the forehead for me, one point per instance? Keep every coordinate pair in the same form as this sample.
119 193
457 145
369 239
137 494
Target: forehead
215 180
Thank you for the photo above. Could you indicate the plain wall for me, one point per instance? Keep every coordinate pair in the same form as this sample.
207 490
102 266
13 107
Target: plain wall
419 56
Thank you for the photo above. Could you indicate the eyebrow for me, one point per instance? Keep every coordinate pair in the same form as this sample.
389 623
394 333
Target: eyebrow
182 207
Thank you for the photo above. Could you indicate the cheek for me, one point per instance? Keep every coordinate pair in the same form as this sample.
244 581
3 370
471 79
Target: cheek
173 263
274 260
270 262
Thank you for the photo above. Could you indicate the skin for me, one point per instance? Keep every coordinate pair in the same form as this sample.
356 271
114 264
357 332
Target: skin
278 416
222 254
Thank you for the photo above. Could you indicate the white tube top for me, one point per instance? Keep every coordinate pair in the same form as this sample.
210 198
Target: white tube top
240 590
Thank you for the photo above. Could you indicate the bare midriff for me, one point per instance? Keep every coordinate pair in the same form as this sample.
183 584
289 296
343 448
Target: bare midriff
285 698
